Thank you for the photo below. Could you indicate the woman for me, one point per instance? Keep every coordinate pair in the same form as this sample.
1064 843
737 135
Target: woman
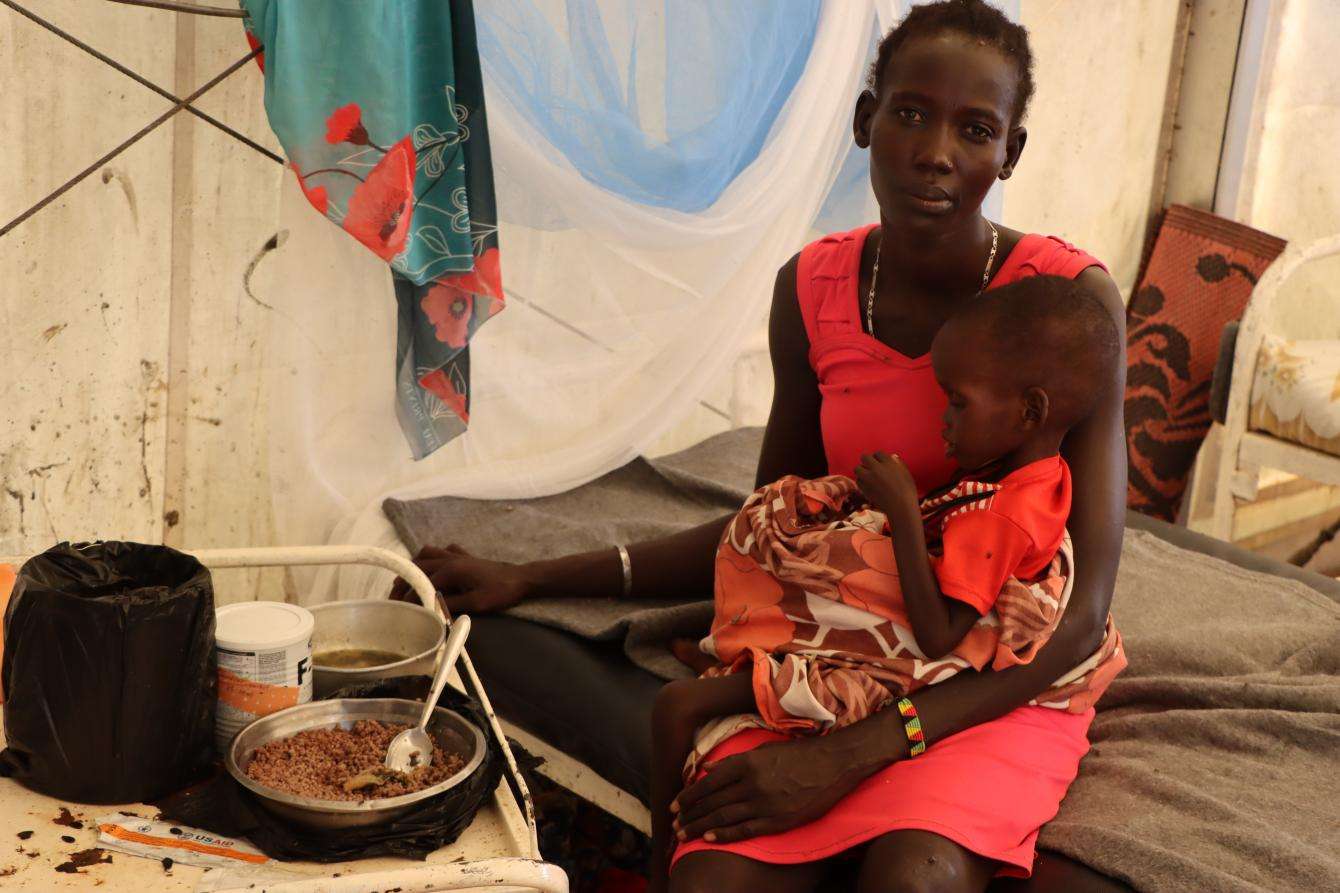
851 323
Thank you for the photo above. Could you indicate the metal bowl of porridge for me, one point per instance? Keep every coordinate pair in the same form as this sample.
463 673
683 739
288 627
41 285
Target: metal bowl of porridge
364 640
452 732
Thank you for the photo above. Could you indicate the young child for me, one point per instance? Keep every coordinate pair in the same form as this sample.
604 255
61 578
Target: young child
835 598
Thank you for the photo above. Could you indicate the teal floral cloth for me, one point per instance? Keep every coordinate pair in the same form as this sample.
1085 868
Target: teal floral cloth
379 105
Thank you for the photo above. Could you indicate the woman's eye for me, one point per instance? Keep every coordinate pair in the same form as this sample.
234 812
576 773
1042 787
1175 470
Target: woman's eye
978 132
910 115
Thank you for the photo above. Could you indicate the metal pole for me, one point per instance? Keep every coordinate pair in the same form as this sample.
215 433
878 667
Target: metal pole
192 8
180 104
140 79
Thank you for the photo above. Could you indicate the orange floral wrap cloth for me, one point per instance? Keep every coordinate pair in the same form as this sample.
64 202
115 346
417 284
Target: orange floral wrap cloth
808 600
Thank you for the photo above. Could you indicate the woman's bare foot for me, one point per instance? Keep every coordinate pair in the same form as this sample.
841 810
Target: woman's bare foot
689 653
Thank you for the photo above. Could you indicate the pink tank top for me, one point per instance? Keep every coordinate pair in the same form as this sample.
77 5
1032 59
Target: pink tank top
873 397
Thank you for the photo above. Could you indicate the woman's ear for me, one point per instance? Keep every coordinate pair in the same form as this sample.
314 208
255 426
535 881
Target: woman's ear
1036 407
866 104
1014 147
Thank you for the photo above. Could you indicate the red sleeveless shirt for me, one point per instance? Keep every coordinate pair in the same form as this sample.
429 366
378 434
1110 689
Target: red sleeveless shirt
873 397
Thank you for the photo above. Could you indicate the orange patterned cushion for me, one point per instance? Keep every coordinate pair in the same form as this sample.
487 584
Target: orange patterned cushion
1199 277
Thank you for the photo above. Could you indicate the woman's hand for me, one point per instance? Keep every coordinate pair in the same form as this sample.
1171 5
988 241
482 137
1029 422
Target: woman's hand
469 585
886 481
770 789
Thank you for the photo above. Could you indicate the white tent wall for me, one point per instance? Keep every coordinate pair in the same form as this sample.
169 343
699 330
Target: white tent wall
223 290
1088 168
84 290
149 417
132 371
1291 173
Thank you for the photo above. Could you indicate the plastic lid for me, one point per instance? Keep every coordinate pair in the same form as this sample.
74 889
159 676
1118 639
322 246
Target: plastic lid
248 626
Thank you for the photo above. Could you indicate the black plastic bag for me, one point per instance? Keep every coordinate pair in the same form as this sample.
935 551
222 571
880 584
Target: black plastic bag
224 807
109 672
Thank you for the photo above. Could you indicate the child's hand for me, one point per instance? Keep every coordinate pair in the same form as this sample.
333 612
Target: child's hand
886 482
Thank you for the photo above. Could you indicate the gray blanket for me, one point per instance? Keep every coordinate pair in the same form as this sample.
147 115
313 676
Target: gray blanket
1216 755
644 499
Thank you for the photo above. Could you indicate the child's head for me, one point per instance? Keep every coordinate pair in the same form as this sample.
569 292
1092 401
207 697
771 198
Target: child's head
943 113
1021 365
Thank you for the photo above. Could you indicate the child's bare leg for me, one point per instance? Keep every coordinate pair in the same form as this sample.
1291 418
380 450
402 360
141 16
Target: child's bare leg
681 707
690 654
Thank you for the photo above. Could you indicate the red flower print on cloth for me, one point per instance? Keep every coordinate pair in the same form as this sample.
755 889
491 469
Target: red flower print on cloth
317 195
450 303
442 387
449 310
345 125
255 44
382 206
484 279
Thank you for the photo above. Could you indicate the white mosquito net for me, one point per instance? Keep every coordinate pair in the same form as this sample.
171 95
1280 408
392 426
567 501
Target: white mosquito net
655 164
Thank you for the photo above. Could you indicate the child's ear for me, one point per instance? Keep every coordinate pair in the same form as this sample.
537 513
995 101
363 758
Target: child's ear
1036 406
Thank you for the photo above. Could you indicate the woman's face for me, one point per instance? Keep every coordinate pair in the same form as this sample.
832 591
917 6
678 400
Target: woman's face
940 132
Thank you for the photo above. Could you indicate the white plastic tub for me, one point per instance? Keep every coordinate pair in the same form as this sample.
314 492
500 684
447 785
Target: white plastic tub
264 651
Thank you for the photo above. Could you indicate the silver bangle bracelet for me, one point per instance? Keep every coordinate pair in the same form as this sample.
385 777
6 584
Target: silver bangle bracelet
627 565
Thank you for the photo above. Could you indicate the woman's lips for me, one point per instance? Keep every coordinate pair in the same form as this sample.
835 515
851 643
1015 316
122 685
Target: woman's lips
930 199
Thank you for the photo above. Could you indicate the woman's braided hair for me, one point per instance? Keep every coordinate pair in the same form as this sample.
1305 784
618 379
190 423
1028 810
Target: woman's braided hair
975 19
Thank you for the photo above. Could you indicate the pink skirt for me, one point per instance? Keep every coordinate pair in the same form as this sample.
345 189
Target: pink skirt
989 789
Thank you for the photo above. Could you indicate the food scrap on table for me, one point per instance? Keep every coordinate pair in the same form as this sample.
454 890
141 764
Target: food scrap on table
83 859
66 819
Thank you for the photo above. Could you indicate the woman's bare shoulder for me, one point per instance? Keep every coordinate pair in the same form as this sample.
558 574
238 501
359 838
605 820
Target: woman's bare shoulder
1102 286
793 442
786 327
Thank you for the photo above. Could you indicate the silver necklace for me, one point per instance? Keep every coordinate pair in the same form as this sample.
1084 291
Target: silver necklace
874 276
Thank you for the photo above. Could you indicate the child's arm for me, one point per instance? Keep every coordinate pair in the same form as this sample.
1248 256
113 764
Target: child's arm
938 622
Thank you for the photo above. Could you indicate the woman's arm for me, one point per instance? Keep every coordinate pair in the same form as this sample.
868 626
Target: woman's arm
672 565
776 787
793 441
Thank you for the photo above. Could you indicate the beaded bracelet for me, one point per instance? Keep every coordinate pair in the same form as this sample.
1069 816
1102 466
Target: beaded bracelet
912 725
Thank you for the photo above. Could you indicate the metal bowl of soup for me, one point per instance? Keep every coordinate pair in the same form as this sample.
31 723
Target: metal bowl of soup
361 641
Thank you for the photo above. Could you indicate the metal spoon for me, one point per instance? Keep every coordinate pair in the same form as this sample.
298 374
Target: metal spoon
413 748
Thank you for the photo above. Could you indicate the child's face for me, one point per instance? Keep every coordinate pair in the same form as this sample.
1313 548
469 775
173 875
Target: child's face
986 418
